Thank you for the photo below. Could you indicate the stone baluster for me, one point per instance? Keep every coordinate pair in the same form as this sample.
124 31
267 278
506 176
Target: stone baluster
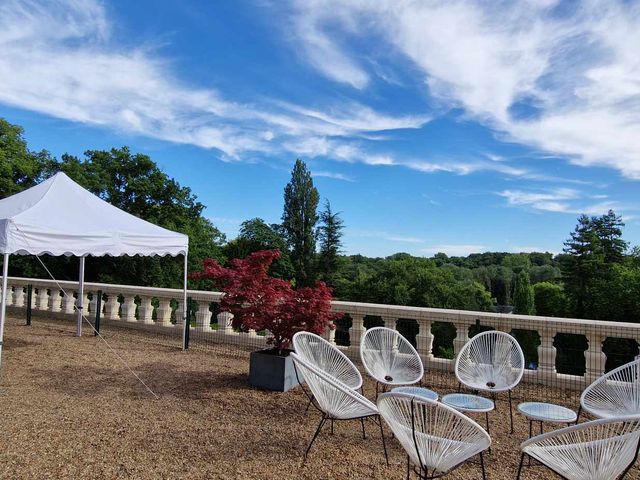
41 299
356 331
163 312
129 308
180 314
224 321
93 304
424 339
9 297
595 357
330 335
112 307
55 300
145 312
203 316
87 308
18 296
462 336
547 353
68 303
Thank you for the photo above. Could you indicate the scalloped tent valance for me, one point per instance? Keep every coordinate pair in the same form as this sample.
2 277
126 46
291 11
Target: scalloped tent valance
59 217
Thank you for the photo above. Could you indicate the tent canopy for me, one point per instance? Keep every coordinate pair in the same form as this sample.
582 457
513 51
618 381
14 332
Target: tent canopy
59 217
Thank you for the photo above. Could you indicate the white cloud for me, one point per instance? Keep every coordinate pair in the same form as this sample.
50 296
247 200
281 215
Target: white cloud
454 250
334 175
58 58
562 200
565 82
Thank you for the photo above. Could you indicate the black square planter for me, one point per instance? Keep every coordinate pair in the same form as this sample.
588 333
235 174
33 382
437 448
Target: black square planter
271 371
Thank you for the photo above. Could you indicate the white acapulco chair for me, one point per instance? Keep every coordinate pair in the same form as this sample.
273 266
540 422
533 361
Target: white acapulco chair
336 401
491 362
615 394
437 438
326 357
603 449
389 358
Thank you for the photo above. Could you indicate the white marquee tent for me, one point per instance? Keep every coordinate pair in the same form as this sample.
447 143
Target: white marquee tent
59 217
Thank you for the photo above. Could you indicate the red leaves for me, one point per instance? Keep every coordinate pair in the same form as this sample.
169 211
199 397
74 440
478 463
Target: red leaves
260 302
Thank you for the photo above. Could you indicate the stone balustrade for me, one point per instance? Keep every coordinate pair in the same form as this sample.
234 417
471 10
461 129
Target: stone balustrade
161 309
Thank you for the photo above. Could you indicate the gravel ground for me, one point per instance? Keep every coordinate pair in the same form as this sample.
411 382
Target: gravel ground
71 410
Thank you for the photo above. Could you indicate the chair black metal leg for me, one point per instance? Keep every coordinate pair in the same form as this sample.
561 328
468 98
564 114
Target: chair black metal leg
484 475
520 467
384 445
309 404
486 419
459 386
510 411
320 425
364 435
579 412
332 426
408 467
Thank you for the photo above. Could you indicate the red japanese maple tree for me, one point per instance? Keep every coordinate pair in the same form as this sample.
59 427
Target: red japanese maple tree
260 302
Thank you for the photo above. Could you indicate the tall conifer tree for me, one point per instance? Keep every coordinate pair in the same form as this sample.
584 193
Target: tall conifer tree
330 236
299 221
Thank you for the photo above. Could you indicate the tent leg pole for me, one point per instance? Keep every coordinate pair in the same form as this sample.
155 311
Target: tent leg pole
184 305
3 300
80 302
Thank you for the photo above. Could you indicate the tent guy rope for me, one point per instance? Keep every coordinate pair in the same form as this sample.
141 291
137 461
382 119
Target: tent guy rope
113 350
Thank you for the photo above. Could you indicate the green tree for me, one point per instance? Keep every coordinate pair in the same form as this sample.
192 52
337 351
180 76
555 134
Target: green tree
583 248
330 237
608 229
523 300
550 299
20 168
299 221
255 235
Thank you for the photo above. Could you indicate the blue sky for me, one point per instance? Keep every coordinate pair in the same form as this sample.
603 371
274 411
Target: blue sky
452 126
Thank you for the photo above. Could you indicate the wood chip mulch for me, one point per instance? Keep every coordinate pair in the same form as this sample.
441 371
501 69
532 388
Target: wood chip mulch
71 410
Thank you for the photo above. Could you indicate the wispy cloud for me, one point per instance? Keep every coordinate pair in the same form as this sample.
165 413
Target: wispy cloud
561 78
562 200
334 175
59 58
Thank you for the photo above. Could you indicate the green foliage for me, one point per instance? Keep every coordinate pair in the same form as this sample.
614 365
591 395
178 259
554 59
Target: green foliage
299 221
523 300
593 249
256 235
418 282
550 299
20 168
330 236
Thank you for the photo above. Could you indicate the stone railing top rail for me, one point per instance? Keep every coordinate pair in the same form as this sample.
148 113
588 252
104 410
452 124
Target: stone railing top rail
373 309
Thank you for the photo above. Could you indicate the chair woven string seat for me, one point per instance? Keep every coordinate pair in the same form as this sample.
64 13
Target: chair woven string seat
436 437
389 357
490 361
615 394
598 450
326 357
334 398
